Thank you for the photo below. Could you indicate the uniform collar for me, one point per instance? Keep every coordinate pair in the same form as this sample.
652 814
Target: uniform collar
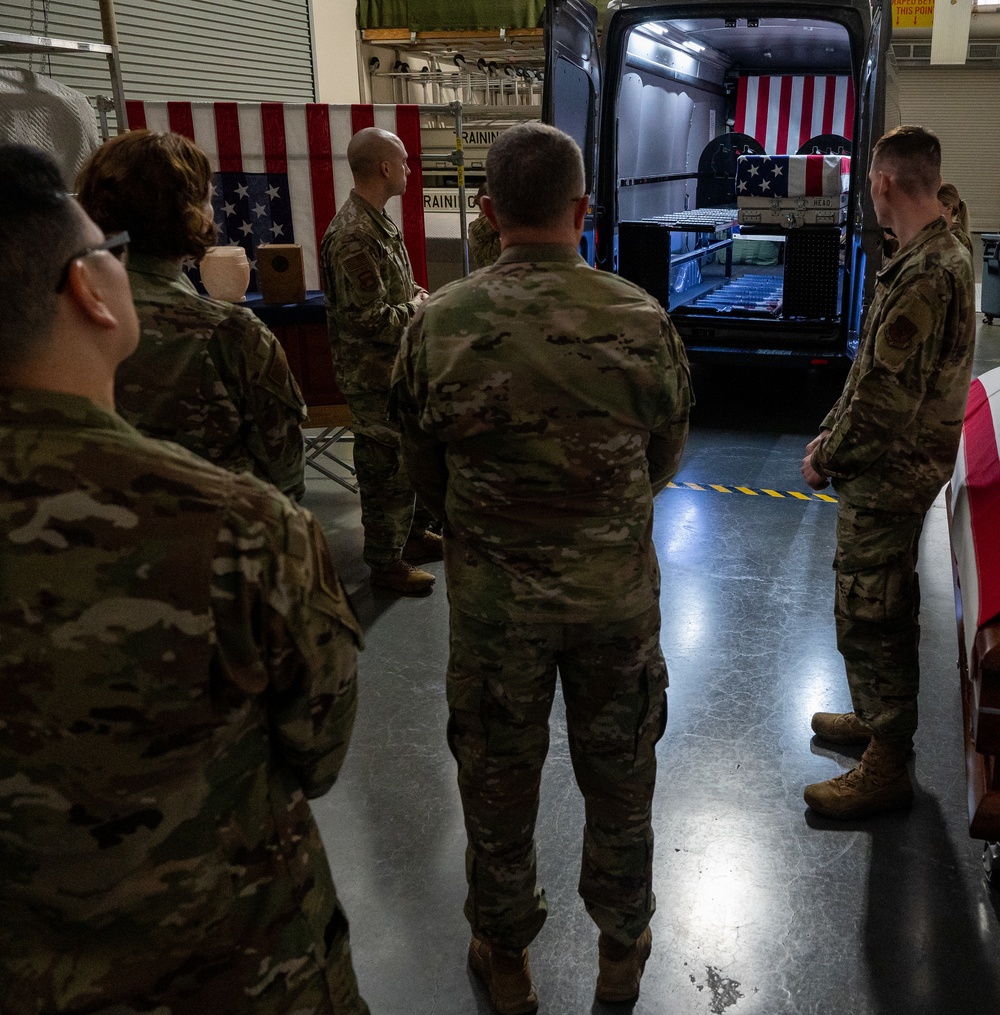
24 407
148 264
380 218
887 274
541 252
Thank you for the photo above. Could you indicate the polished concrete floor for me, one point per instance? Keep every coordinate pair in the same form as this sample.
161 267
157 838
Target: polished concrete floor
762 908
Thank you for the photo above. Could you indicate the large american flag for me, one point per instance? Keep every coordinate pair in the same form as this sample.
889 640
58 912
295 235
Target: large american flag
281 169
784 112
975 506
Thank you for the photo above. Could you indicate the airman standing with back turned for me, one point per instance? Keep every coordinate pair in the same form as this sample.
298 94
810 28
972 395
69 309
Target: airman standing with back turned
371 297
889 445
543 404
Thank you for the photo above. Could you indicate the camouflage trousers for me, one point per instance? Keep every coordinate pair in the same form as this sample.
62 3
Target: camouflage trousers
99 974
501 684
876 606
388 505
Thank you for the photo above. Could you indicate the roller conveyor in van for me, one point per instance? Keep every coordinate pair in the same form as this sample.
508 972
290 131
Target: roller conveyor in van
751 295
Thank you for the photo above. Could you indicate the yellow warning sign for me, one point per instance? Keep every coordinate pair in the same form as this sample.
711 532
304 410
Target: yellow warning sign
913 15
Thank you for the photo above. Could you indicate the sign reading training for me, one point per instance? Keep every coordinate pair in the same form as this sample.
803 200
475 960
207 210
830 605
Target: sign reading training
913 15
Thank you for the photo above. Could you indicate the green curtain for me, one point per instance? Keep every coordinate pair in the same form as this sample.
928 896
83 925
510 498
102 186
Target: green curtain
457 15
450 15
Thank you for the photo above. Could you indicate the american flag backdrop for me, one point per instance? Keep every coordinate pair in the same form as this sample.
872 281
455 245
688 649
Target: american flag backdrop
281 169
975 506
782 113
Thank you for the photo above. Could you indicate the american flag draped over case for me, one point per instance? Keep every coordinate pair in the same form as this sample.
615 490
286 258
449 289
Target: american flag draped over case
975 506
792 176
281 169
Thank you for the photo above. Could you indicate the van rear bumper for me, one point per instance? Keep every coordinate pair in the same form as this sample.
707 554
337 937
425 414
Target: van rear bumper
792 358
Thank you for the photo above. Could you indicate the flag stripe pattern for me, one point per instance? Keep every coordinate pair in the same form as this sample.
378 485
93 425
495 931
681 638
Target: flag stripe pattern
783 112
408 129
281 169
975 505
321 168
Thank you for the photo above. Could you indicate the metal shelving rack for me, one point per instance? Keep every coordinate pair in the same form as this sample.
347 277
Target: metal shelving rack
12 42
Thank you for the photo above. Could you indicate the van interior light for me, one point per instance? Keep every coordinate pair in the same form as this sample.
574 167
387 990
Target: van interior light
642 46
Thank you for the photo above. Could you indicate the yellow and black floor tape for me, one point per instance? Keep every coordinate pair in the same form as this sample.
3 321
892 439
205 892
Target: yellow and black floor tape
746 491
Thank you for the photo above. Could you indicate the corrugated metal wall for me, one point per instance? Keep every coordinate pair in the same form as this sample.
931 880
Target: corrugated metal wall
179 49
960 105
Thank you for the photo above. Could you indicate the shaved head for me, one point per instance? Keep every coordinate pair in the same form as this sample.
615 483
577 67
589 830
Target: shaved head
369 148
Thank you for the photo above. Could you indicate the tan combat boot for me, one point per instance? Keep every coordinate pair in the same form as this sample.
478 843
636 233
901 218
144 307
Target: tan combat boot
506 977
619 969
880 783
402 577
840 728
423 547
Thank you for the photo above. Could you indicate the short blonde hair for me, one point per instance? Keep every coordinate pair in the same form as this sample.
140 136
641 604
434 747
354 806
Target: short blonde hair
948 196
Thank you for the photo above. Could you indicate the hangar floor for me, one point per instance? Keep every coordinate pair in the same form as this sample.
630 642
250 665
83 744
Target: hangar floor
762 908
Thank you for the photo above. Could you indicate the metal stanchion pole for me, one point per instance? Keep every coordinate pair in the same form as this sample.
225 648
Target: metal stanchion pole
462 212
110 29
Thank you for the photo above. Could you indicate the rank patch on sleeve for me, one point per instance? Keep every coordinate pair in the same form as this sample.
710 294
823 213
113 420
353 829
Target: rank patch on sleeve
899 332
360 270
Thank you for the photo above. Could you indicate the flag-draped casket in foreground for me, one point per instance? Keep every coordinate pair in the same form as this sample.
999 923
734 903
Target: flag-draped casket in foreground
792 190
974 520
281 169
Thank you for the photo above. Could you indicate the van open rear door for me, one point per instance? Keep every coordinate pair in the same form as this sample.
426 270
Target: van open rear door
571 99
874 87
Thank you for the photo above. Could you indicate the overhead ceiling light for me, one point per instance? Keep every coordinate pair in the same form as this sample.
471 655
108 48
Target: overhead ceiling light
697 47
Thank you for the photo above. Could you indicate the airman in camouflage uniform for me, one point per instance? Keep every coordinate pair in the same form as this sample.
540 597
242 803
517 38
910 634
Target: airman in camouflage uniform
207 375
484 239
956 214
371 296
484 242
211 377
177 676
889 445
543 404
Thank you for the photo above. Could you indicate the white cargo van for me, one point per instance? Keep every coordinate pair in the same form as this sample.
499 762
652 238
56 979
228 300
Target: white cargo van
727 149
